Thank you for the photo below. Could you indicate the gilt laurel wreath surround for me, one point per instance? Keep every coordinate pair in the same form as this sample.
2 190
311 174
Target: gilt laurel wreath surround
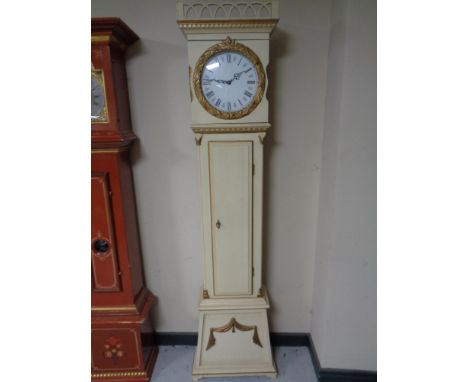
228 45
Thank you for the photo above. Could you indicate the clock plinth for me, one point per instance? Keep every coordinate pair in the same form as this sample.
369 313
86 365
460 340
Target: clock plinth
228 49
233 338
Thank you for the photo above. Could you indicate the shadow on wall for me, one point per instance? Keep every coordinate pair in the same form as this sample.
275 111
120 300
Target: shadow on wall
159 164
278 48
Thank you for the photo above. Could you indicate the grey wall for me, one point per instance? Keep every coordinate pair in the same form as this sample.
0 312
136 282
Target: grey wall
165 167
344 320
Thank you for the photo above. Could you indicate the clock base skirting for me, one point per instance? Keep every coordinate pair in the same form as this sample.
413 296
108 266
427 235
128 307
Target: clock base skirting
134 344
123 346
129 376
233 341
272 375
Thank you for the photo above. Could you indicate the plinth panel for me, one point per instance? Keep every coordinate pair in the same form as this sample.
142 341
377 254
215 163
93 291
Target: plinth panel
123 349
233 342
116 349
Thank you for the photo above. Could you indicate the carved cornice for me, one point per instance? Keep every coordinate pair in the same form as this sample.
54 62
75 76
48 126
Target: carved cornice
209 16
112 30
210 9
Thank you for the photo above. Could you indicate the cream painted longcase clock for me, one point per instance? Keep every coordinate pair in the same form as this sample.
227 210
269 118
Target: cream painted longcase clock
228 51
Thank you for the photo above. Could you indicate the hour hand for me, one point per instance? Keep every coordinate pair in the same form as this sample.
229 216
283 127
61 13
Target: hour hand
223 81
215 80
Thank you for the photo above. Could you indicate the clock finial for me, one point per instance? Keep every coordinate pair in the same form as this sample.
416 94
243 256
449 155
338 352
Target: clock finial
229 41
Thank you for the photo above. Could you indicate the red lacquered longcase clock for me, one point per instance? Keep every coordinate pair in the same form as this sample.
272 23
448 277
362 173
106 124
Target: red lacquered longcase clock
122 337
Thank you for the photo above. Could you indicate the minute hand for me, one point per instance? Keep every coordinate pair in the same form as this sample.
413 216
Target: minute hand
238 75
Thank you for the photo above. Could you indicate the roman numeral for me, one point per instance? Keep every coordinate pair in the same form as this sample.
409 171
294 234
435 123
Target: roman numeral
239 62
229 106
218 101
240 102
251 82
248 94
228 58
205 82
210 94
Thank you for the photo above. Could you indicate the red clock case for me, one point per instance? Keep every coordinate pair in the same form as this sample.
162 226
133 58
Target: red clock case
122 336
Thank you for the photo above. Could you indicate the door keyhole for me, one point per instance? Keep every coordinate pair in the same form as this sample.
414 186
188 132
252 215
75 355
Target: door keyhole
218 224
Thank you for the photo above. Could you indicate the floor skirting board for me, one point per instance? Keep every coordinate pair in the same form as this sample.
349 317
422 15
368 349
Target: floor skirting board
282 339
190 338
176 338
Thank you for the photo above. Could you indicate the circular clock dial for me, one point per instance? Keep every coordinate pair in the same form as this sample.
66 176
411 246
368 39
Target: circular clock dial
97 99
229 81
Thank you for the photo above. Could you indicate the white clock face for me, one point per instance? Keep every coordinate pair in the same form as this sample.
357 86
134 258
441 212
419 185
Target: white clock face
98 100
229 81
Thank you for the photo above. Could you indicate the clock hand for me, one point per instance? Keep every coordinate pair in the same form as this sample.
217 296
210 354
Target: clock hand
215 80
228 81
238 75
218 81
223 81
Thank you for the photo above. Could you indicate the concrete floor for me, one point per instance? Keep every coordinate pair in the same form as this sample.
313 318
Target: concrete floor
174 364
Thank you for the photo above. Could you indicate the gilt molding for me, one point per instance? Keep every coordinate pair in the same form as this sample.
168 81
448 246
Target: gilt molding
230 128
118 374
